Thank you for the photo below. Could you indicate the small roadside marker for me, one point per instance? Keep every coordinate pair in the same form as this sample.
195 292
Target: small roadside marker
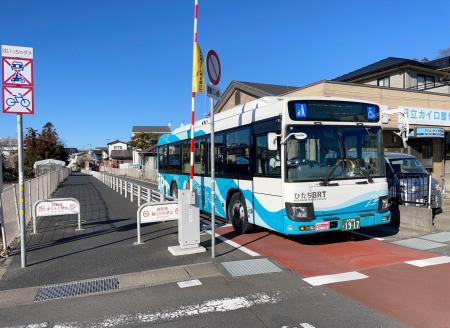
429 262
333 278
189 283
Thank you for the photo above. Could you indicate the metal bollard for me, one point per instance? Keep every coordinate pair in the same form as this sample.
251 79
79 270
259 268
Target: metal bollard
132 192
139 194
126 189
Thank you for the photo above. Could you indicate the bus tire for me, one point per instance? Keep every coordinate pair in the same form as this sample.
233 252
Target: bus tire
174 190
237 214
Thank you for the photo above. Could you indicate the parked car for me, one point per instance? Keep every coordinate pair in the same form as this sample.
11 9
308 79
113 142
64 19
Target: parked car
408 182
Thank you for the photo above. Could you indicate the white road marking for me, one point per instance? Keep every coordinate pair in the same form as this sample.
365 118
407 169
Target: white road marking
306 325
368 236
215 305
189 283
234 244
431 261
333 278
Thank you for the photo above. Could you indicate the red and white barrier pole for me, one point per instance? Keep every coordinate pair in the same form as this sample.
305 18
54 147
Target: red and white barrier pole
191 172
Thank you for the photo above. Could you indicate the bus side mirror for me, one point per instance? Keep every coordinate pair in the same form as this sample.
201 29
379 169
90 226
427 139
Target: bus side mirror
272 141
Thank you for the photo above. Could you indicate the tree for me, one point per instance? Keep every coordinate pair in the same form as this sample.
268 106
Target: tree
143 140
444 52
43 145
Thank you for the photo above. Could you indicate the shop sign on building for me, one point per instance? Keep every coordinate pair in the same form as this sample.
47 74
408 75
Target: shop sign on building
428 133
428 116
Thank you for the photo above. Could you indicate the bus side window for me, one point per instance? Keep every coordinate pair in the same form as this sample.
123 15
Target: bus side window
238 153
267 161
185 157
219 154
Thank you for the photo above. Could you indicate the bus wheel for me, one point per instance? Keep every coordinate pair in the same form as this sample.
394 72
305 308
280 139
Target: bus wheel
174 190
237 214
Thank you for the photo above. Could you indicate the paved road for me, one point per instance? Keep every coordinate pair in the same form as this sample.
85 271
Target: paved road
384 281
269 300
58 253
386 292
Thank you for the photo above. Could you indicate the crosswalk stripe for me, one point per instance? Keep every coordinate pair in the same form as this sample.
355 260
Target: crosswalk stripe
431 261
333 278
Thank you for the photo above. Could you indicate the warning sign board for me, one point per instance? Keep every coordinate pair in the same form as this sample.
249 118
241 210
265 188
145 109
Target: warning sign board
17 100
57 207
17 80
17 71
159 212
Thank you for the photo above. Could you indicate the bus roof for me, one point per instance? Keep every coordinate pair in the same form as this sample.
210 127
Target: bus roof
243 114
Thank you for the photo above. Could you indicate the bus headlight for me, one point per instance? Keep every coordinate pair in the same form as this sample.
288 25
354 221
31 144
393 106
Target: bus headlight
383 204
300 211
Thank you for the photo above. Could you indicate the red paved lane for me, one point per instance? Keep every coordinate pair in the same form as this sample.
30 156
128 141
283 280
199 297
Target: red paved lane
419 297
324 254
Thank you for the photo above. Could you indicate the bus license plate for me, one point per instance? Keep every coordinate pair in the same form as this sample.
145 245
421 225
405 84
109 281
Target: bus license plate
350 224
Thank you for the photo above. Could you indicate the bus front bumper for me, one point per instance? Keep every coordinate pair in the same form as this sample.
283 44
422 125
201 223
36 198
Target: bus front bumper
343 222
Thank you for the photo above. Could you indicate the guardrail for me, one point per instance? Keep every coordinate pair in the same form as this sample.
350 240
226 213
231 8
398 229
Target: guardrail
129 189
36 189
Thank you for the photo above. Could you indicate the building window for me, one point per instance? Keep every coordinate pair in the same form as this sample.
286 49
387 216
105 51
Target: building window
117 148
384 82
425 81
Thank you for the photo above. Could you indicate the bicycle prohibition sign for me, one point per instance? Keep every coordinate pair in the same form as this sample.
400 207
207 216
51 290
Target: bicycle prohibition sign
16 99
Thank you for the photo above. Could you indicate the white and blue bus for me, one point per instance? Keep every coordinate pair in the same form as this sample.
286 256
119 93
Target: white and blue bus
292 165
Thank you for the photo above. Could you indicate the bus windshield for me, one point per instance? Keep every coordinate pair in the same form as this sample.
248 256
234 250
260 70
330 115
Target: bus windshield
334 152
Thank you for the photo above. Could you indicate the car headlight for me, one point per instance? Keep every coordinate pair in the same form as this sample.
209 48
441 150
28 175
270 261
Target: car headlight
383 204
300 211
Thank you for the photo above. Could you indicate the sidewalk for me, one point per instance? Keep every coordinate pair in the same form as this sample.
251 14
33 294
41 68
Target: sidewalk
58 253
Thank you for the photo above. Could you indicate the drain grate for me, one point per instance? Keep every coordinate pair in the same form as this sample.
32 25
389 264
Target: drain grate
250 267
76 288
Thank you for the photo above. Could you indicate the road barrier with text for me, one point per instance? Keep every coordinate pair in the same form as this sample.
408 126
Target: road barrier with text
35 189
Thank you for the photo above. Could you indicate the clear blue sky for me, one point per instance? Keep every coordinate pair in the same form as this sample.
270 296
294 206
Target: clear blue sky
103 66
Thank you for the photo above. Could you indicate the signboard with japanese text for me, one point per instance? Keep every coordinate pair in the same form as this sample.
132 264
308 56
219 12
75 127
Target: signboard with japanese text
57 207
17 80
427 116
212 91
159 212
427 133
17 52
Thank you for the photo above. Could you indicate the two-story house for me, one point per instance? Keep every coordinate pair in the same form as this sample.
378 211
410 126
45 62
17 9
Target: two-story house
138 157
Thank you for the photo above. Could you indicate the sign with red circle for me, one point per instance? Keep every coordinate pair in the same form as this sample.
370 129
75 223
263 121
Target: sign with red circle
213 67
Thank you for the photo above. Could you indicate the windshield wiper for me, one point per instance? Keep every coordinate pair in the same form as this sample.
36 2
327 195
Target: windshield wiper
366 172
325 181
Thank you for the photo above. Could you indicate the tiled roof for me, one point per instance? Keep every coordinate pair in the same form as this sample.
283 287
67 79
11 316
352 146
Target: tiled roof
379 66
116 141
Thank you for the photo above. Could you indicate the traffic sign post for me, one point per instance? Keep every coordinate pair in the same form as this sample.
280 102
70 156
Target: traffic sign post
18 98
214 72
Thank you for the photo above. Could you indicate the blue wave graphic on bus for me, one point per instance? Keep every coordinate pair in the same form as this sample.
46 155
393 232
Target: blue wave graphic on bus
169 138
274 220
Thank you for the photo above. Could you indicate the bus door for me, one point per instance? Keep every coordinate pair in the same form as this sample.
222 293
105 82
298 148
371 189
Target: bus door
267 184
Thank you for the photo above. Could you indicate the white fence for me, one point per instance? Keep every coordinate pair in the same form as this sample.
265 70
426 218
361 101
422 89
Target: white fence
145 174
129 189
35 189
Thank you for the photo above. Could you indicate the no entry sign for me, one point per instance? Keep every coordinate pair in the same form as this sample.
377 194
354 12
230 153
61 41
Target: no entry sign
213 67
